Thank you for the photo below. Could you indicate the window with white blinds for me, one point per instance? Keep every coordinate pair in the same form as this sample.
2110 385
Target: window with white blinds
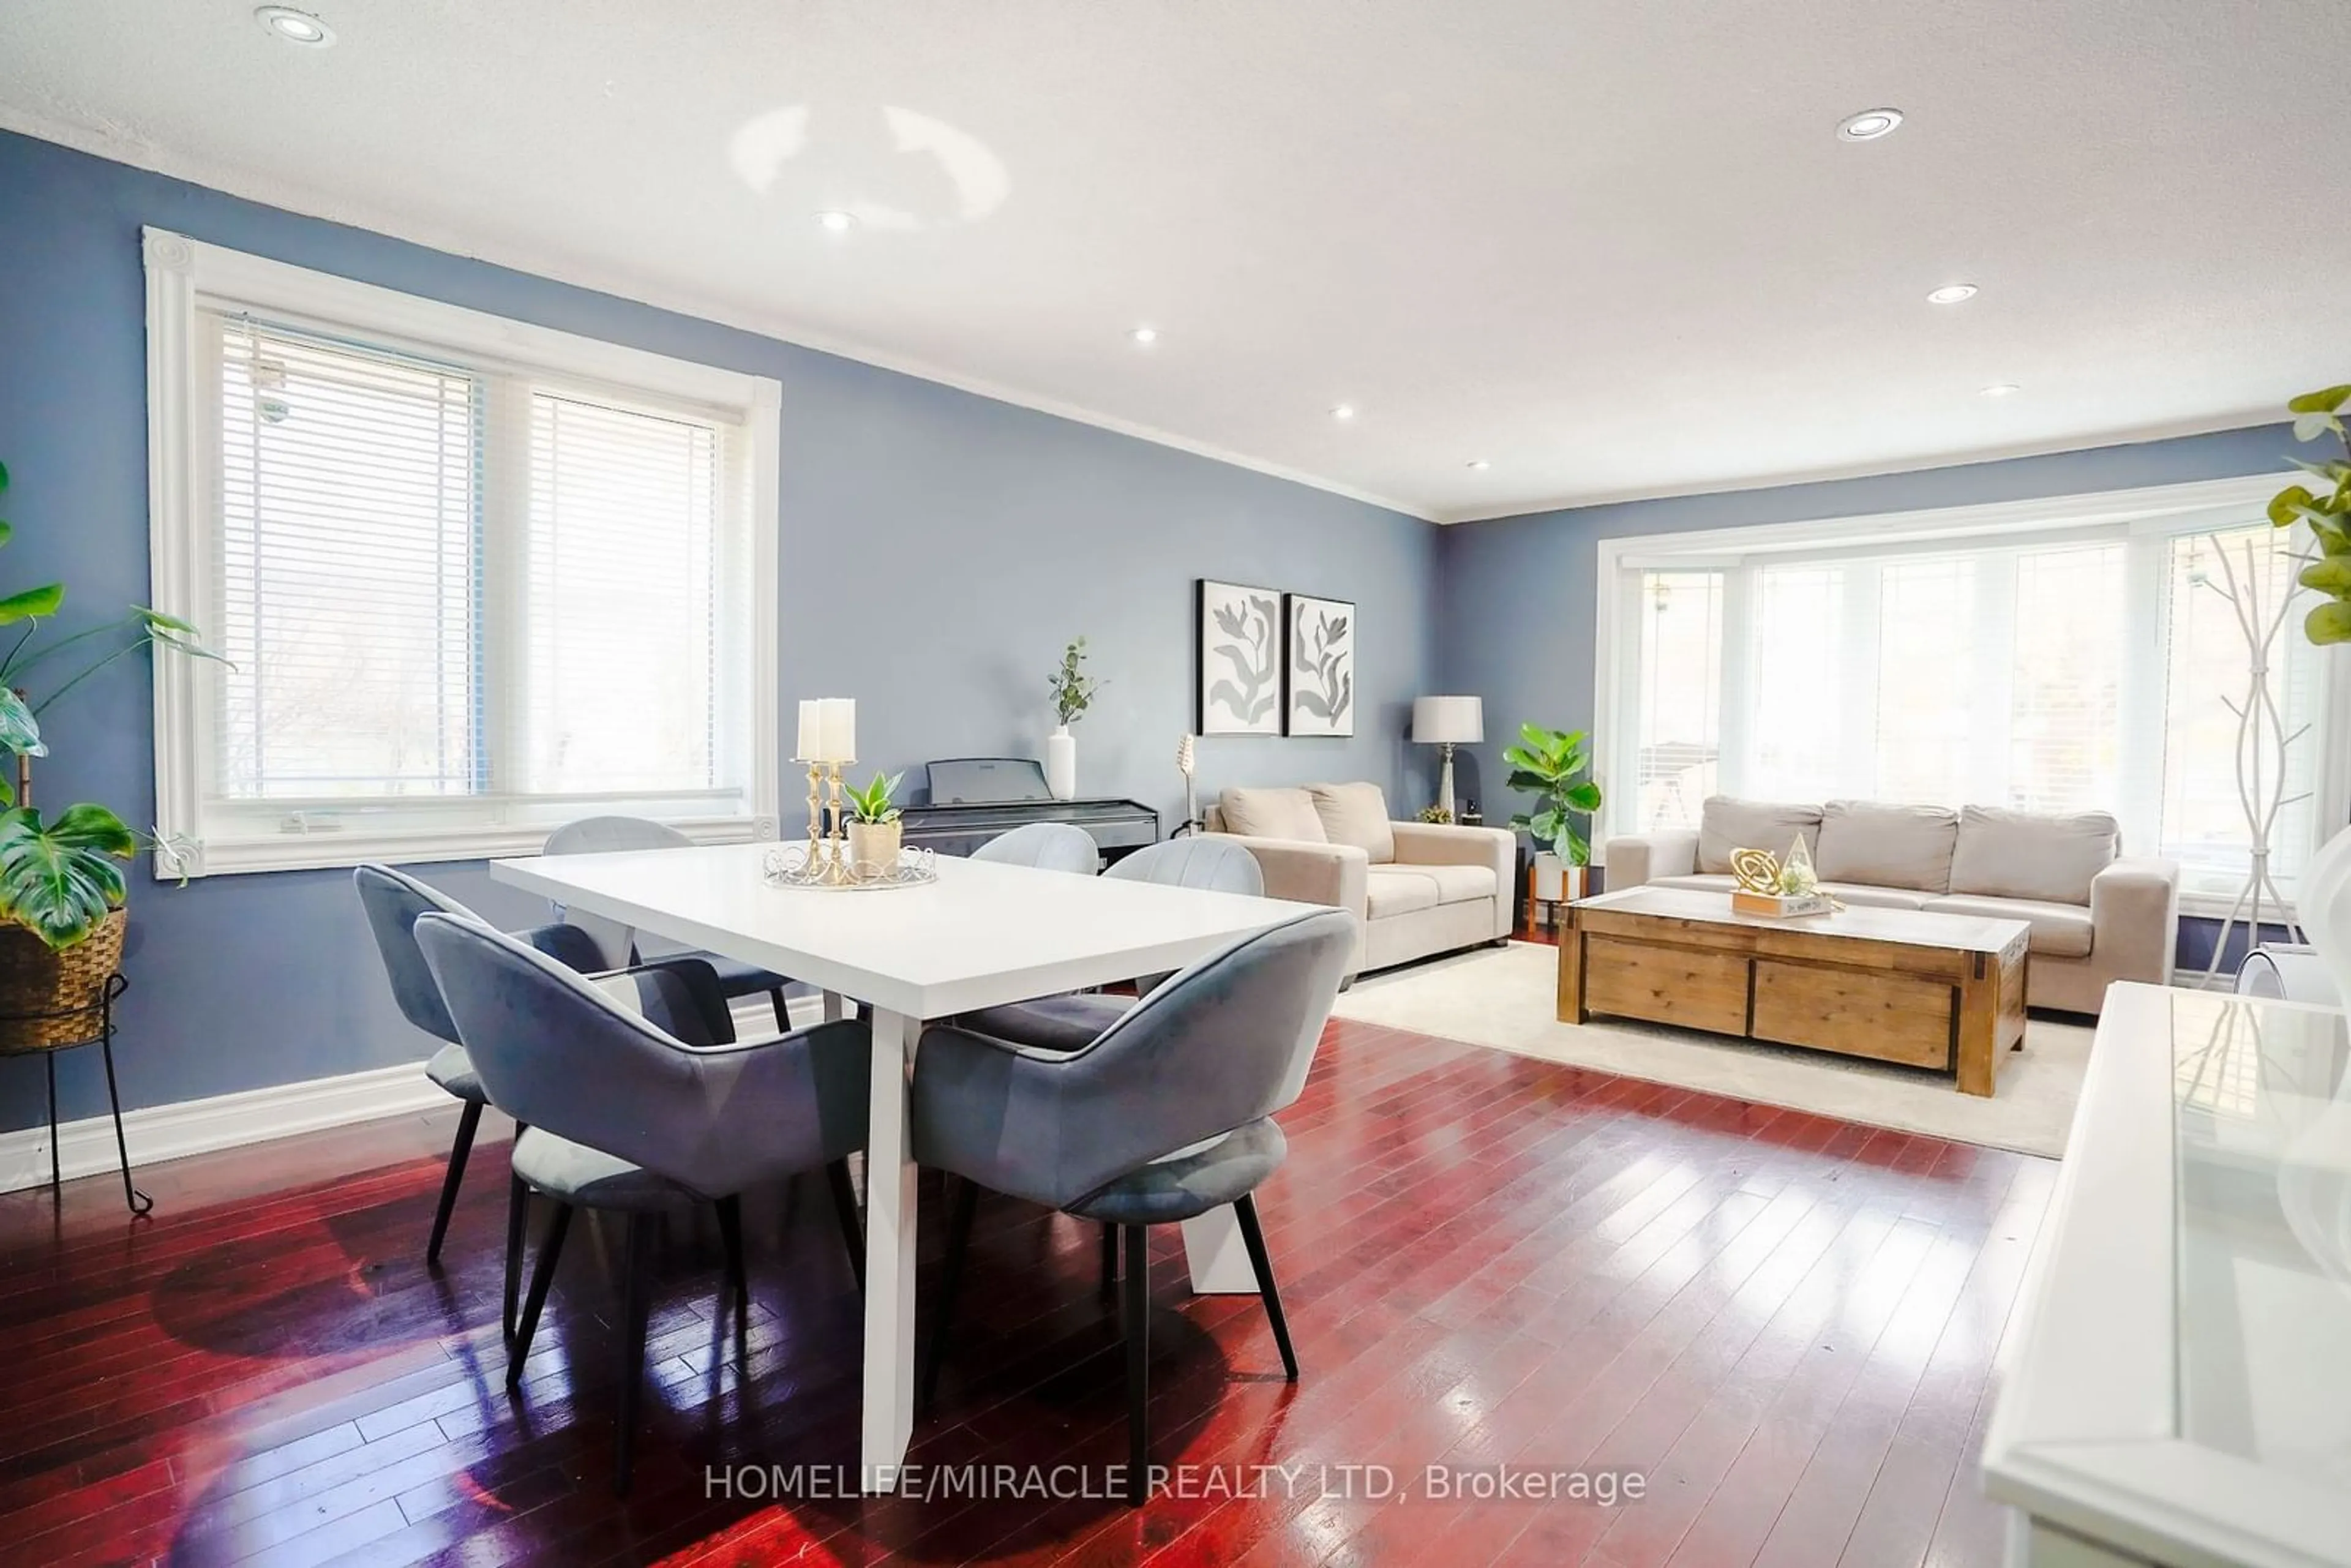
2056 668
471 579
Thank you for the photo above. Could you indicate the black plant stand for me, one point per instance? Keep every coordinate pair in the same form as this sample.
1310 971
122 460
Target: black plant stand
139 1202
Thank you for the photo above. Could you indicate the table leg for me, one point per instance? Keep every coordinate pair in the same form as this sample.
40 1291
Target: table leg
1220 1258
889 1257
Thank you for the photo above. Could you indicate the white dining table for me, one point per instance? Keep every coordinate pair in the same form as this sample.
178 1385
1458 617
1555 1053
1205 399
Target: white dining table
981 935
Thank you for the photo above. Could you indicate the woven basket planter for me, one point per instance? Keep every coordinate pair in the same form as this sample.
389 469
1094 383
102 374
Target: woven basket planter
51 998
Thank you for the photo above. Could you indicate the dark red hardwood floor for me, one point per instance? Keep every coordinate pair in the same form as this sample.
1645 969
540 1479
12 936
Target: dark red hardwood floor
1784 1324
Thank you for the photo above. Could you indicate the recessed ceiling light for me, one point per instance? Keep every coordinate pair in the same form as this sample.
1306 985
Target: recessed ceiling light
1344 410
1869 124
1478 463
1146 335
836 221
296 27
1951 294
2001 389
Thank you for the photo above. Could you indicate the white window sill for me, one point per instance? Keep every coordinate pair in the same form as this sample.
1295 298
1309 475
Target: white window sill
341 848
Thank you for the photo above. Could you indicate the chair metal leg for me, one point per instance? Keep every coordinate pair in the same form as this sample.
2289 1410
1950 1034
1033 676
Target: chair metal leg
139 1203
966 1204
1109 1256
636 1310
542 1274
844 1209
1137 1292
783 1011
458 1150
517 1228
1253 1237
57 1180
730 1231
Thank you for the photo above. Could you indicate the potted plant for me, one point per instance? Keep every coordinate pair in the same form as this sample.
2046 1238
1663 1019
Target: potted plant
62 883
1073 693
875 828
1554 765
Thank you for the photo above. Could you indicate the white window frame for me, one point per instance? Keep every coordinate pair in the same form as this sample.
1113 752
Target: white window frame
186 277
2152 515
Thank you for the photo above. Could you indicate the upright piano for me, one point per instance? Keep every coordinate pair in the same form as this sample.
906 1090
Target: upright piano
974 799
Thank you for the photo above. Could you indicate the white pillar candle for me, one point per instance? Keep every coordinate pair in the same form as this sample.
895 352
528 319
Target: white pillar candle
838 727
811 733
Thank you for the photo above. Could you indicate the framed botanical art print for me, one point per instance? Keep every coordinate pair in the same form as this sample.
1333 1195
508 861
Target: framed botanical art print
1238 637
1321 681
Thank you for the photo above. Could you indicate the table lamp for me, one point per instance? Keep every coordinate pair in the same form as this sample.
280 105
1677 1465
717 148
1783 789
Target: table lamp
1447 722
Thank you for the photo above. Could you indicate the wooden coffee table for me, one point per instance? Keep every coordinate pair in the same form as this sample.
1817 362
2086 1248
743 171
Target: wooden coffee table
1945 991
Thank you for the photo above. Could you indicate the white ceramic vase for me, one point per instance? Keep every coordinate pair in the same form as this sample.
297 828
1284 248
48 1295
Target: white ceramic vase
1061 763
1556 881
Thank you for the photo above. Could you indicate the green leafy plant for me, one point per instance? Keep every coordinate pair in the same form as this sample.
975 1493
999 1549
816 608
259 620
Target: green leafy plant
871 804
2326 510
1554 767
60 877
1073 689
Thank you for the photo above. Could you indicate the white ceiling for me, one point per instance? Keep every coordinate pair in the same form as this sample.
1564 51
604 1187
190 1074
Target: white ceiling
1613 249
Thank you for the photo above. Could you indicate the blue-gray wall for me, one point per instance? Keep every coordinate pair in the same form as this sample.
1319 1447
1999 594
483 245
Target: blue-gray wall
938 548
1516 595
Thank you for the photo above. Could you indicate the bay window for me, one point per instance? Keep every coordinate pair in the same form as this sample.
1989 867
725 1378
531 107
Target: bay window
2081 655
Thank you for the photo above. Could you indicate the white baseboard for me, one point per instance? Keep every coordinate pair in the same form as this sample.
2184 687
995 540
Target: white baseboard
256 1115
223 1122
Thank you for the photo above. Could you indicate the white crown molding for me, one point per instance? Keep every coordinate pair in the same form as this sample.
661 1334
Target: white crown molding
2242 419
570 271
159 1133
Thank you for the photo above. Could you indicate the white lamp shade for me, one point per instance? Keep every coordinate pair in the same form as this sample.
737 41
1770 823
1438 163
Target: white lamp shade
1461 720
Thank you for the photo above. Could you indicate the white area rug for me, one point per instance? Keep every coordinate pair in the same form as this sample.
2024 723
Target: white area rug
1507 998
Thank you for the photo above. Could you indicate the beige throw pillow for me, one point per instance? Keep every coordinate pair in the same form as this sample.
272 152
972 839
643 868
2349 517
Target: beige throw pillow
1272 814
1725 824
1886 846
2022 854
1355 814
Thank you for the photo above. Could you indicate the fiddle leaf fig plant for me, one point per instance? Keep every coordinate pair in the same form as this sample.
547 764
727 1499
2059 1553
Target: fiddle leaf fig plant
872 803
60 877
2326 510
1554 767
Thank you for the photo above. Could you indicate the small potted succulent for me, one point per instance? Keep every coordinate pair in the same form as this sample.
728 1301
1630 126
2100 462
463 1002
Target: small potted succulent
62 883
1554 765
1073 693
874 826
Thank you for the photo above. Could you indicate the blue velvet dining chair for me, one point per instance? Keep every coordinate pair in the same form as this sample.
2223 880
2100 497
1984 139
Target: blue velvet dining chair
604 835
1049 846
632 1110
393 900
1070 1022
1166 1115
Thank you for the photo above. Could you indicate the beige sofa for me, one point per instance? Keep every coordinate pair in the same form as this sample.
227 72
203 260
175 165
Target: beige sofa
1416 889
2096 916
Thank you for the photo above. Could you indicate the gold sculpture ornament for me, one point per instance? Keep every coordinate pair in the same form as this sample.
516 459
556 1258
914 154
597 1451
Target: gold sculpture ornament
1758 870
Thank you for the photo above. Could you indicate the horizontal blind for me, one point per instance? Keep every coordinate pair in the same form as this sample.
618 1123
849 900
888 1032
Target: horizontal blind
1926 680
2066 704
349 496
1680 695
621 599
1797 650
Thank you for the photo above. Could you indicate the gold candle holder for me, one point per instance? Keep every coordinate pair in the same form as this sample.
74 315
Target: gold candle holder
816 811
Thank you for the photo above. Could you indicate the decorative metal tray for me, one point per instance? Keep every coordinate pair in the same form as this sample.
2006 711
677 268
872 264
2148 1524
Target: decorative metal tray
791 866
